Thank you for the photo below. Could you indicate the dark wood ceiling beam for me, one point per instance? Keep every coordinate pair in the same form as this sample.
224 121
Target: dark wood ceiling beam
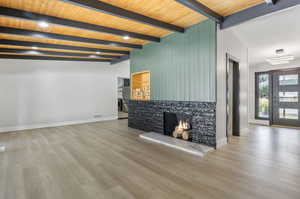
118 60
257 11
44 52
30 57
122 13
58 46
10 12
202 9
38 34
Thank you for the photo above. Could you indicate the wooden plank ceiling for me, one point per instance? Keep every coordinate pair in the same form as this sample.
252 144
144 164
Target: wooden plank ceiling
168 11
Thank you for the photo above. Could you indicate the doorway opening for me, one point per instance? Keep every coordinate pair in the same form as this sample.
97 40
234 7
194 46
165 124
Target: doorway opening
232 96
123 97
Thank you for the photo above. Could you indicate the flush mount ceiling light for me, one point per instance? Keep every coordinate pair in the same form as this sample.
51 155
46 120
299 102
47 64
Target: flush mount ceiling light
284 59
43 24
126 37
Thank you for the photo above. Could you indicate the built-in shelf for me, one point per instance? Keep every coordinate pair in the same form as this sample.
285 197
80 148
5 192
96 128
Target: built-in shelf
140 85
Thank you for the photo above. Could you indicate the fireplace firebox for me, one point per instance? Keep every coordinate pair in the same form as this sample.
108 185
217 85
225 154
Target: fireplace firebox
178 125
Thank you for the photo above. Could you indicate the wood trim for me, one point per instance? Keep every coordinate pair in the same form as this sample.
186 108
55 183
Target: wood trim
202 9
50 58
43 52
122 13
59 46
131 83
119 59
256 11
32 33
10 12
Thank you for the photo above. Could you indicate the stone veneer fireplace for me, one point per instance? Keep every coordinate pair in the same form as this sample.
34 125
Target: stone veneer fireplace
150 116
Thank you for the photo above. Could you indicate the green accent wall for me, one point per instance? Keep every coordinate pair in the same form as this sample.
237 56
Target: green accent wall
182 65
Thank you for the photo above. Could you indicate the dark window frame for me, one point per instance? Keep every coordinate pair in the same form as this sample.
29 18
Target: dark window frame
257 74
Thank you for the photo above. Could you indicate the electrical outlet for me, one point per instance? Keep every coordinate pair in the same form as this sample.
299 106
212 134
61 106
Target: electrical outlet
97 116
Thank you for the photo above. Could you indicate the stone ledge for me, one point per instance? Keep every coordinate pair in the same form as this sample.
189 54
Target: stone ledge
189 147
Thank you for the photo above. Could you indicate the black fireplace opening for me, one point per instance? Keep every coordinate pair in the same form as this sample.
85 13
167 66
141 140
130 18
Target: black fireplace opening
170 123
172 120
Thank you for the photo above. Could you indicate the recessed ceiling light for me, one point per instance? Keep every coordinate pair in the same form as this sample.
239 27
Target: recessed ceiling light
38 35
126 37
34 47
43 24
2 148
33 52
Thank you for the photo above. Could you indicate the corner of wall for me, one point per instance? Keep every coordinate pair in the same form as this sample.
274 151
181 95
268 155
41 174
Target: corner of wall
221 142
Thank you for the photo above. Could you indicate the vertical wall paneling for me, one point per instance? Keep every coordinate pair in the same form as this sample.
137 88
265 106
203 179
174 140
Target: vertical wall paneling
183 66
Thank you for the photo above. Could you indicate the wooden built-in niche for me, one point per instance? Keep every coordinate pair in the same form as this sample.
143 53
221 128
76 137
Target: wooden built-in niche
140 85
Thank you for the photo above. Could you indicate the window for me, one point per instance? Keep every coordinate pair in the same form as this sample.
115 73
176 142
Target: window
288 113
262 95
288 79
288 96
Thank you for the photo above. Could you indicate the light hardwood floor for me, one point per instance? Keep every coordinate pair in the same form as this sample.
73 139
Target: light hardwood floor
107 160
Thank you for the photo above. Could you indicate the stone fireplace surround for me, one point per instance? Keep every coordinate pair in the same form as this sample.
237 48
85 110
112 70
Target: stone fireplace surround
149 116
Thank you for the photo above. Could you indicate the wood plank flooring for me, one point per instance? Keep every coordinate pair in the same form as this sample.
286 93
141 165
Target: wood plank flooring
107 160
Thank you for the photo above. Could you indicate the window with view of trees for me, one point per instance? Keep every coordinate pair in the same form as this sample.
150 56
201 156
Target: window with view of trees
262 96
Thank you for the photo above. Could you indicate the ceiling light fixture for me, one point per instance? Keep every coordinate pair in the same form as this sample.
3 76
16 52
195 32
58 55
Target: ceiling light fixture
93 56
43 24
279 51
285 59
126 37
33 52
34 47
98 52
280 59
279 62
2 148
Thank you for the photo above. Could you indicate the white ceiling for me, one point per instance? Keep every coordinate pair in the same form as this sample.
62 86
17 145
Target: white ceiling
266 34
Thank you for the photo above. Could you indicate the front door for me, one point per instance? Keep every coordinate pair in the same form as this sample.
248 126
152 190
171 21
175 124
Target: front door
286 101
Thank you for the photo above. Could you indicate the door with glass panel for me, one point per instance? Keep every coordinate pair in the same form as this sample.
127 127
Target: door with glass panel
285 100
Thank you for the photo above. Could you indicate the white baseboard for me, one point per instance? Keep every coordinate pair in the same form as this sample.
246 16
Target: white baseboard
221 142
260 122
244 132
55 124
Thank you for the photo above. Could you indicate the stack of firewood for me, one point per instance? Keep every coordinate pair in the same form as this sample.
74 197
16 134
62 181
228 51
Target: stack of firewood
183 130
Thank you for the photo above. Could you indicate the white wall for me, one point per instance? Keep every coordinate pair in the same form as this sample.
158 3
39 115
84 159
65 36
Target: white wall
228 42
36 93
263 67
